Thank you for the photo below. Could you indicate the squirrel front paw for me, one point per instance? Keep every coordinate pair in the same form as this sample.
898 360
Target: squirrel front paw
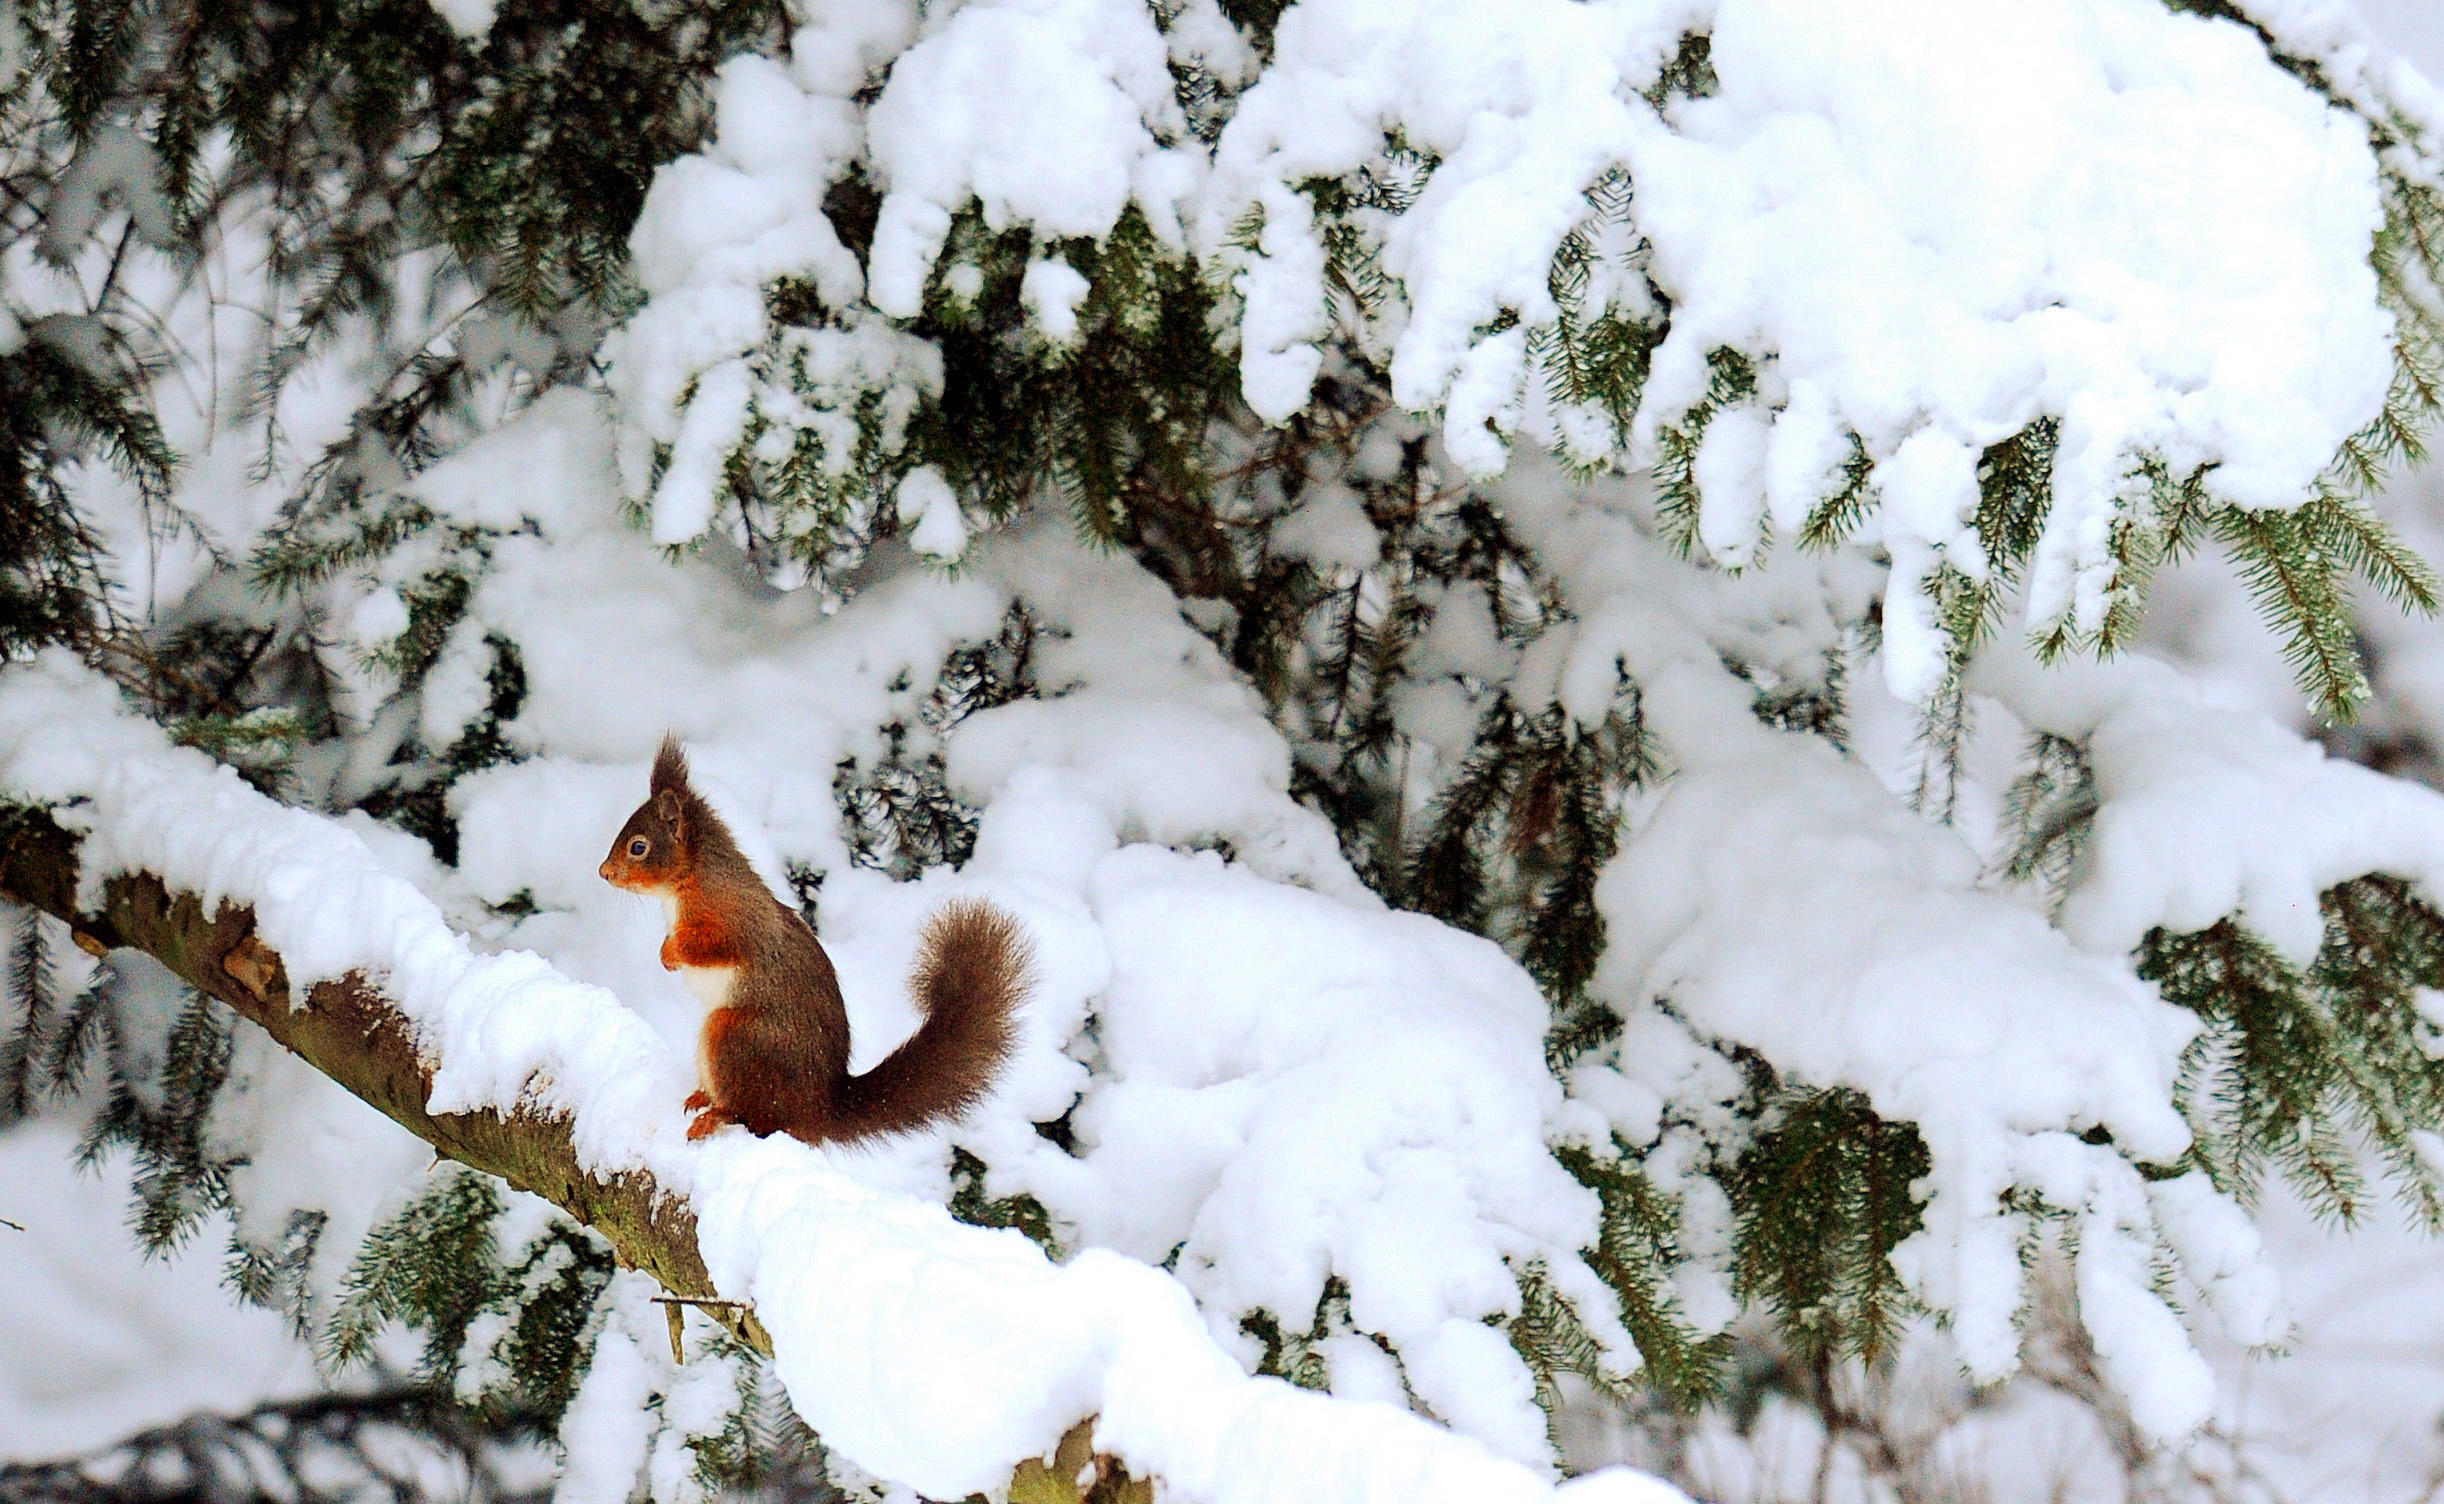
696 1102
710 1120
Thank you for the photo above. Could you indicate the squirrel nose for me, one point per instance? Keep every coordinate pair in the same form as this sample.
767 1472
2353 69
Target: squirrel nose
605 869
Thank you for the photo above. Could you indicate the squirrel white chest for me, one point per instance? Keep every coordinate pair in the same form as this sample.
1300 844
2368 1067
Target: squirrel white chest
710 984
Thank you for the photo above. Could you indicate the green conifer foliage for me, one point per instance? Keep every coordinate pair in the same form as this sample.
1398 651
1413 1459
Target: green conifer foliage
1733 380
153 1051
1638 1250
52 569
1296 1354
2049 809
35 996
2301 1069
508 1329
414 1269
900 815
1823 1197
363 134
368 134
1599 357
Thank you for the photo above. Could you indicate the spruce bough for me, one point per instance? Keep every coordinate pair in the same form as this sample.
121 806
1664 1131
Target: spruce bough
1385 603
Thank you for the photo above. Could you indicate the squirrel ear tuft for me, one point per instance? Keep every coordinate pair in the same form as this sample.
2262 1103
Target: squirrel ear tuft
669 766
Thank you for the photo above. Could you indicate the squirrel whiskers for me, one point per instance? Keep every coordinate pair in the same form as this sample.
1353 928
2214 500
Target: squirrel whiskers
774 1051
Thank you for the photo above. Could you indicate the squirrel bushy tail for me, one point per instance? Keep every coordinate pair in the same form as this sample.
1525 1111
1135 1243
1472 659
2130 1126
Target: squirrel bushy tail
974 967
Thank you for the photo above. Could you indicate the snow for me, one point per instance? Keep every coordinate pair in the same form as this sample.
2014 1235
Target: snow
471 19
1203 1021
2090 209
2383 56
1052 291
1526 106
631 1378
1047 113
1425 1193
926 1351
524 474
114 168
125 1341
1331 530
2185 210
2185 787
1435 1188
1926 998
1930 223
604 1446
717 226
929 509
1771 868
302 1144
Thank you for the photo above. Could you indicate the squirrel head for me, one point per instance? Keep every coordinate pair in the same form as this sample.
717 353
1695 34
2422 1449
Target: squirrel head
658 844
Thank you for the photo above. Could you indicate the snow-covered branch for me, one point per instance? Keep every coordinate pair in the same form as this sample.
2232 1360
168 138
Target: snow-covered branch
345 1028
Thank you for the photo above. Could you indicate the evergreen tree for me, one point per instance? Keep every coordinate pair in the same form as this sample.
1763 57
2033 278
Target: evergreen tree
294 300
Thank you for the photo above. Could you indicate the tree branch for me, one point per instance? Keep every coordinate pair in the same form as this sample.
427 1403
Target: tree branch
353 1034
350 1032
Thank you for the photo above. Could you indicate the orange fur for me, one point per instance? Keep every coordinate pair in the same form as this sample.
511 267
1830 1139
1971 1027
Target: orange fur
707 930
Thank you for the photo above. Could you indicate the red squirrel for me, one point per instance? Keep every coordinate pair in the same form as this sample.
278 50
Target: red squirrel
774 1054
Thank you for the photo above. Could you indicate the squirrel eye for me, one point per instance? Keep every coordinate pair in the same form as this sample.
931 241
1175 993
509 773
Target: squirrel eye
637 848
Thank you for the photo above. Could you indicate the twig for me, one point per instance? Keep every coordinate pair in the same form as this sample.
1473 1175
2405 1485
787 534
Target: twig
690 1300
673 1308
